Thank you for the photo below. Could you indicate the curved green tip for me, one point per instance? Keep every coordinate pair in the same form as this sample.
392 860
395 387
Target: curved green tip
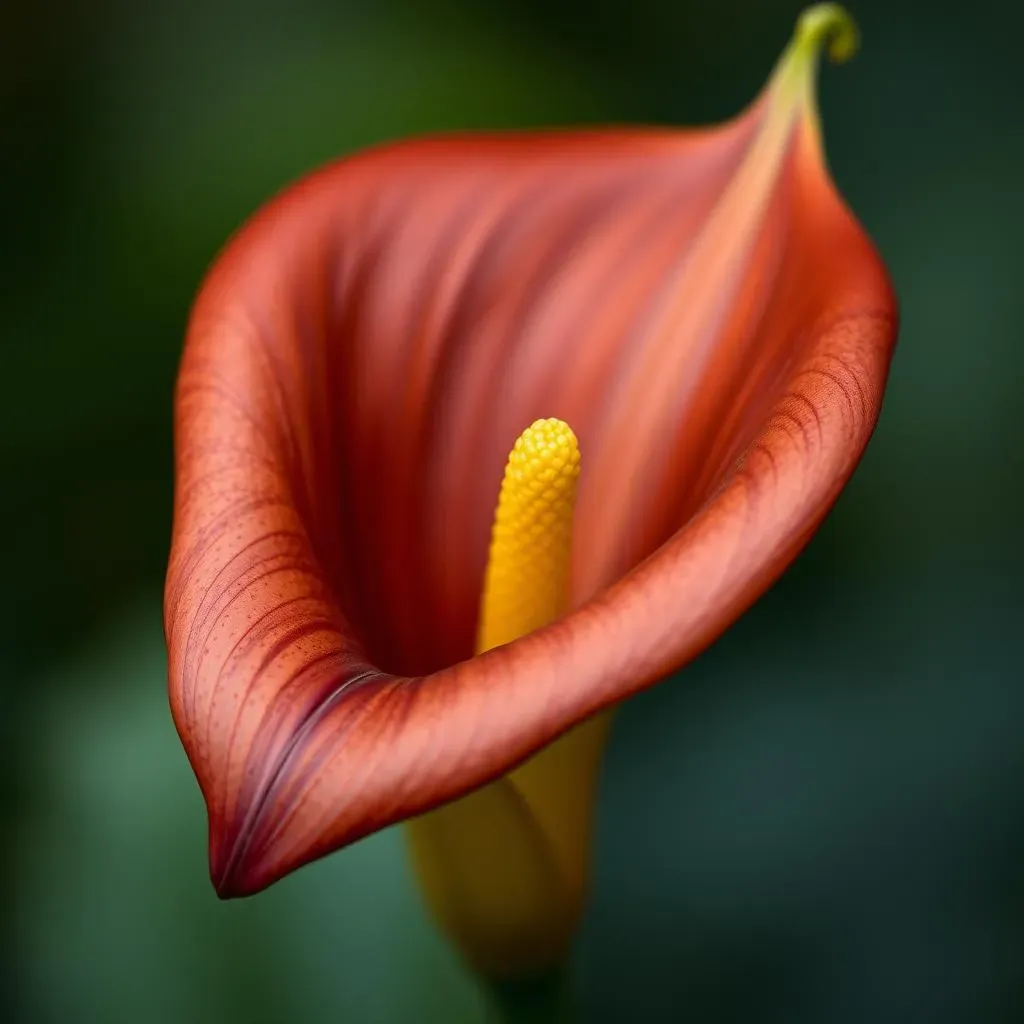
827 25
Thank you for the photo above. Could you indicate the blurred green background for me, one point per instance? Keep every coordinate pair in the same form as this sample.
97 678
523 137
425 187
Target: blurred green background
820 821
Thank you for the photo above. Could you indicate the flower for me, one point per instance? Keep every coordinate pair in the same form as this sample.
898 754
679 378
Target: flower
700 306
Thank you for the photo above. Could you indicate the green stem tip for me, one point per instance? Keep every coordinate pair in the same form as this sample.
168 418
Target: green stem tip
829 25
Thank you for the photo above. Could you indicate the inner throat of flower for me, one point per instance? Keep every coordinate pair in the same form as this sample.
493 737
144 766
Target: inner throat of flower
526 585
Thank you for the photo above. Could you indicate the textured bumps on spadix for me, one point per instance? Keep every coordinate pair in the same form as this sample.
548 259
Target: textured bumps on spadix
526 584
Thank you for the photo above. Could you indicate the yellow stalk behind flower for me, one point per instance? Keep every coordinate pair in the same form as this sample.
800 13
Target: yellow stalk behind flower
504 869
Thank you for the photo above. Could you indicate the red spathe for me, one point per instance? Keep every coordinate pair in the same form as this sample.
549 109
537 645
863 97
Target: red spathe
358 364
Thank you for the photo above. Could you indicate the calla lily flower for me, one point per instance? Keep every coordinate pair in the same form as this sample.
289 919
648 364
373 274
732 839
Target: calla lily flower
699 306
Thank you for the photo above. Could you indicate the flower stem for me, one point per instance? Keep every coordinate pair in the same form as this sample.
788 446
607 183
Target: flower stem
539 1000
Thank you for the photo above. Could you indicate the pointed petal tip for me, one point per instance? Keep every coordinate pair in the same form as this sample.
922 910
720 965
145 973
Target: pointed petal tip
237 879
227 890
234 871
231 887
224 874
